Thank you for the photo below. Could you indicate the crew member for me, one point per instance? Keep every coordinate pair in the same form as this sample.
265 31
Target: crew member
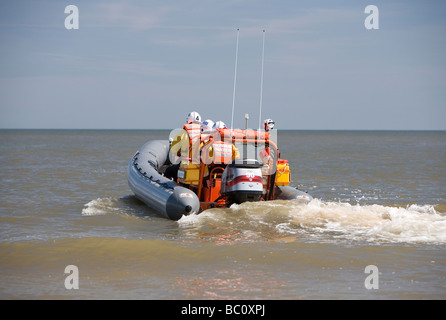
189 139
265 157
219 125
219 152
268 124
186 144
206 130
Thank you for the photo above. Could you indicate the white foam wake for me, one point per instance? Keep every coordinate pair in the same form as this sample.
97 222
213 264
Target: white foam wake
413 223
327 221
316 221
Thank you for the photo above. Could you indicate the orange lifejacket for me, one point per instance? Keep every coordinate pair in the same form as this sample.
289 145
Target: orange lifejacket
193 131
222 152
217 152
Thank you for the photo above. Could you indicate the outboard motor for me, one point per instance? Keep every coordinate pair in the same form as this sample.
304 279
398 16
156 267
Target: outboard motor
242 181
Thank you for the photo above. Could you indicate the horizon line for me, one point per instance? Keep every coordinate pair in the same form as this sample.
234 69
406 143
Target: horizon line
159 129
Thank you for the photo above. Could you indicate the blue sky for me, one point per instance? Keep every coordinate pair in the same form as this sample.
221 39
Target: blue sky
146 64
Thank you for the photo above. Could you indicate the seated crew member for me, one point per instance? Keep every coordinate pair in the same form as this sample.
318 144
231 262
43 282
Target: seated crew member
216 133
219 125
219 152
235 151
206 130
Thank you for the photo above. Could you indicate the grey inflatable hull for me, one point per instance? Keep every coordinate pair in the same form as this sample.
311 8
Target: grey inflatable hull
163 195
290 193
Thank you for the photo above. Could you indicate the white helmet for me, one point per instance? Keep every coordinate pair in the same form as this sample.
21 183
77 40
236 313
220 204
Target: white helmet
268 124
193 117
206 126
219 125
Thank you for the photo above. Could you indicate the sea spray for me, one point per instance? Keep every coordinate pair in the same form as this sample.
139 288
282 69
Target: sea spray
318 220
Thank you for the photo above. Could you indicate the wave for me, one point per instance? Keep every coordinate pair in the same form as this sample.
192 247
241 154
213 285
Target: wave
328 221
413 223
320 221
128 206
98 206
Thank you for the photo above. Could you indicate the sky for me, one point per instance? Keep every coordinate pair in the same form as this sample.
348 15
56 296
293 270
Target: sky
147 64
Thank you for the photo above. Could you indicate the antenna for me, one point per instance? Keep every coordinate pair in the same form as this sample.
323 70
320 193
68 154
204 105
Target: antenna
261 81
235 80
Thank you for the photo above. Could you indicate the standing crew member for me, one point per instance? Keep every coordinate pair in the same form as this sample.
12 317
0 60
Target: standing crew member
186 144
193 129
188 138
268 124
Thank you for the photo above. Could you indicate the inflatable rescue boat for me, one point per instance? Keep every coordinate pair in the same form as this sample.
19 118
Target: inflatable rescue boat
182 176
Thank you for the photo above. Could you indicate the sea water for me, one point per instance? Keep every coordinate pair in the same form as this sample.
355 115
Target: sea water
379 200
